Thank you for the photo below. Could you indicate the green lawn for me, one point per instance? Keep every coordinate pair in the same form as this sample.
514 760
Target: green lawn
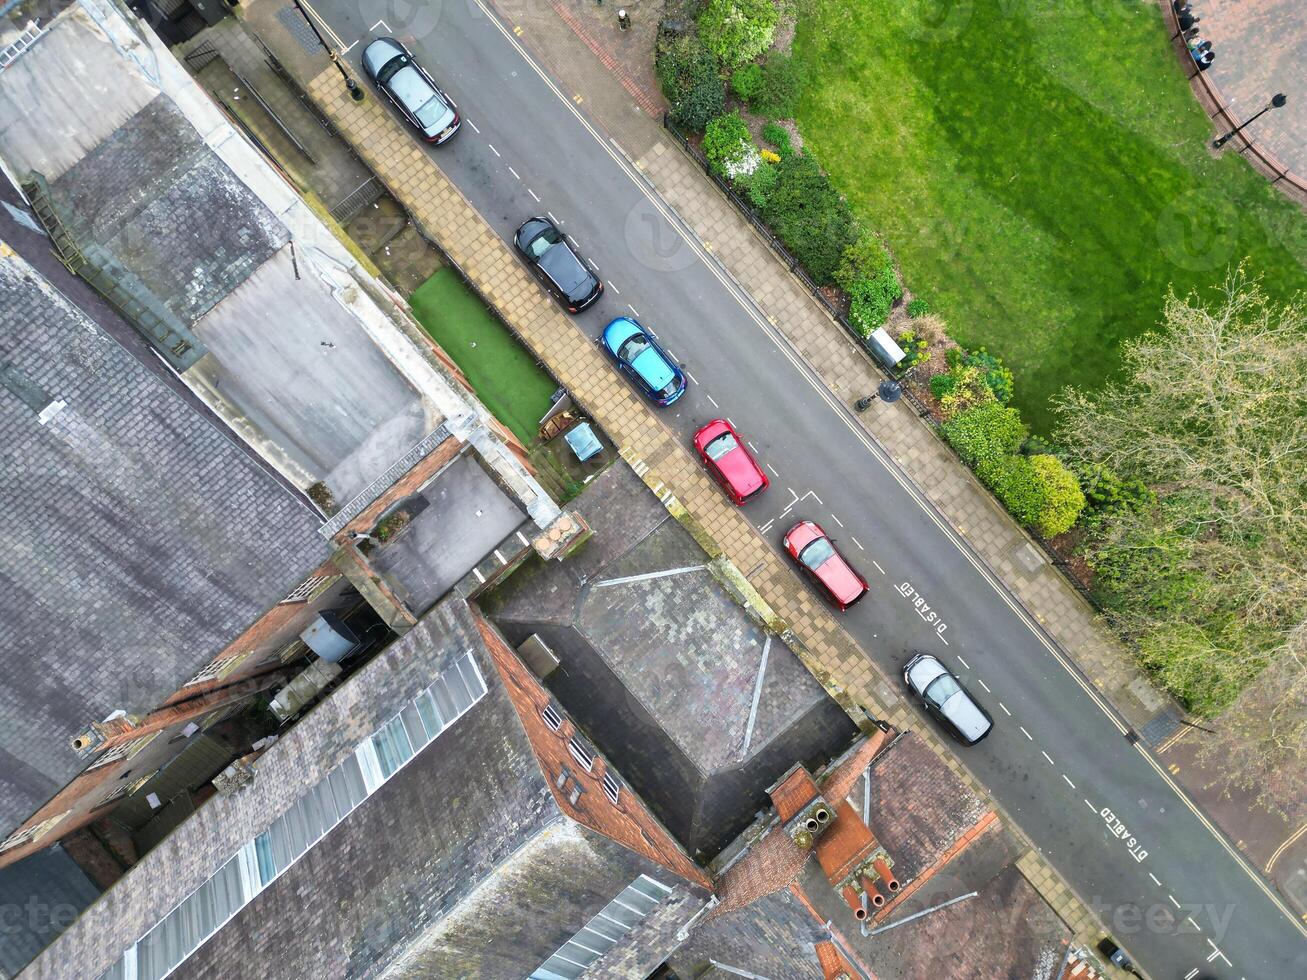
1040 171
502 372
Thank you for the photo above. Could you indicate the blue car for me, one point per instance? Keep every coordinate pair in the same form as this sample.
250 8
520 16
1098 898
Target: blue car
638 355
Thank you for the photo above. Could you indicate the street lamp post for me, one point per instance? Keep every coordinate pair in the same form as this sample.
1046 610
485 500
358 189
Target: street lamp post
351 86
1277 101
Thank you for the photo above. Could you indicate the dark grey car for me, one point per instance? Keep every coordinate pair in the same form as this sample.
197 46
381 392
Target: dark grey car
946 700
559 269
411 90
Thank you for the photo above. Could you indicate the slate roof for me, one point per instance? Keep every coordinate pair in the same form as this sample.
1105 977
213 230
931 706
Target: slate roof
140 540
460 865
662 671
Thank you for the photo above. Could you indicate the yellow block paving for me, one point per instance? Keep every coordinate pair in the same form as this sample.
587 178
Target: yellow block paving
666 467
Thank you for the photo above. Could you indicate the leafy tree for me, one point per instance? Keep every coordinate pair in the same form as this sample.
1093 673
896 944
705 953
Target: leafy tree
1206 578
737 31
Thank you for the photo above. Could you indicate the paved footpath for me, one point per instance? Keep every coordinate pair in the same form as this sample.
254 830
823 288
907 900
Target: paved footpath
666 466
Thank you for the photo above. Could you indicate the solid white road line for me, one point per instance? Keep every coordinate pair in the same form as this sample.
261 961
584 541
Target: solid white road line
647 576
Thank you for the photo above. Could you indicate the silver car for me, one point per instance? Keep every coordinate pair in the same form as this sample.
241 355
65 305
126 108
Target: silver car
411 90
946 700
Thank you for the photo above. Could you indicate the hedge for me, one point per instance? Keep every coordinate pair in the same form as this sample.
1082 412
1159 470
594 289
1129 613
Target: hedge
806 213
688 74
985 435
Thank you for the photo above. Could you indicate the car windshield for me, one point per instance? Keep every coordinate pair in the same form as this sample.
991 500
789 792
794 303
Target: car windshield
720 446
430 113
542 242
390 67
941 689
632 347
817 553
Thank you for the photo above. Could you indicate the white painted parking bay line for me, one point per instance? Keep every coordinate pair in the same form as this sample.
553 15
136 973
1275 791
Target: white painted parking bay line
984 685
634 311
1156 881
772 468
648 575
514 173
1068 781
1091 806
473 125
1046 756
537 200
1173 901
552 218
962 662
837 520
691 376
1025 733
712 399
614 288
1004 707
380 23
1190 920
751 445
492 149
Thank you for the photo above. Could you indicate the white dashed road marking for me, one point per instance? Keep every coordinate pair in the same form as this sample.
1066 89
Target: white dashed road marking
984 685
1004 707
963 662
1173 901
1025 733
772 468
837 520
1046 756
514 173
1068 781
691 377
473 125
614 288
634 311
1156 882
537 200
493 150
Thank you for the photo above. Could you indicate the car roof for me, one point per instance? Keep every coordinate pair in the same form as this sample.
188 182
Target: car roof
653 368
562 266
411 87
738 467
966 716
840 577
922 669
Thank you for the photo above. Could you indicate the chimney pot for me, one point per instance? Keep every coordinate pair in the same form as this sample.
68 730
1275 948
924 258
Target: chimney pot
854 902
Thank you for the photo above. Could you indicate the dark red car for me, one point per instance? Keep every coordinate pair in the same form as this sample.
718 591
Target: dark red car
808 545
723 452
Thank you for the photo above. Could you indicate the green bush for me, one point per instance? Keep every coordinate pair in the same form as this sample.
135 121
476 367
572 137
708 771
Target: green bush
779 137
871 299
737 31
689 78
758 185
1038 490
779 87
726 143
747 82
996 375
806 213
1105 491
985 435
915 349
918 307
864 258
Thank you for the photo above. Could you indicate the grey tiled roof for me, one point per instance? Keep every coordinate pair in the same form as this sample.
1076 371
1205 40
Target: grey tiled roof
160 201
139 539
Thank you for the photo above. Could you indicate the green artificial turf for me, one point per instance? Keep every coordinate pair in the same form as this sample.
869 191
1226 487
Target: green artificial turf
502 372
1040 171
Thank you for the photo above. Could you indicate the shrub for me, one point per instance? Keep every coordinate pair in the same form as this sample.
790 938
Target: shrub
965 389
918 307
769 157
996 375
779 86
985 434
1038 490
864 258
737 31
758 186
779 137
809 216
729 147
915 349
872 298
747 82
688 75
1105 492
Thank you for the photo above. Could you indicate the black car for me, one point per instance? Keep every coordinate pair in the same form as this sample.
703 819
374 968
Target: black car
946 700
407 85
559 269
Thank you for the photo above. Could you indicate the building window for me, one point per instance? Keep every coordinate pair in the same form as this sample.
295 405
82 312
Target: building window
581 753
32 833
259 862
604 931
310 588
120 751
552 718
612 787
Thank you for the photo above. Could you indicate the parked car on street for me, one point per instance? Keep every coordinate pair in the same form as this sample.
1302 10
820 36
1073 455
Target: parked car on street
557 266
732 465
411 90
946 700
815 553
639 357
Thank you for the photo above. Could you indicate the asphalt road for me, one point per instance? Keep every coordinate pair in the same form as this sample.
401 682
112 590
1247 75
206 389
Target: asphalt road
1170 889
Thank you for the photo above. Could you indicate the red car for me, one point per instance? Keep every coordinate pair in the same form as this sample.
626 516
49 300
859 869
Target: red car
808 545
722 451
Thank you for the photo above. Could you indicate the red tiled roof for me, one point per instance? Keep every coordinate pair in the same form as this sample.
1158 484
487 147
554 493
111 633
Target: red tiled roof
794 792
845 844
840 782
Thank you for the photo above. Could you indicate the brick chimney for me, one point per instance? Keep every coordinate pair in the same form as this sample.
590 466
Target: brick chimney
804 812
855 862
